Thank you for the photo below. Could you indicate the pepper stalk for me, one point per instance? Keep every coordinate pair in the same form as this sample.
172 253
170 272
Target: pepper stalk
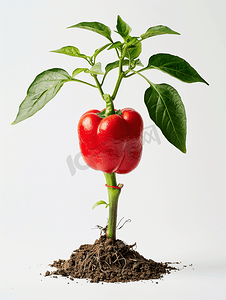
114 191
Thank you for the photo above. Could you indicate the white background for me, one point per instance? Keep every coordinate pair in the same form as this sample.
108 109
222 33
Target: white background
176 201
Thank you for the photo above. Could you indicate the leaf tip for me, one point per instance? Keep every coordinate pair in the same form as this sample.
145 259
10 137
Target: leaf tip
15 122
70 26
184 150
203 81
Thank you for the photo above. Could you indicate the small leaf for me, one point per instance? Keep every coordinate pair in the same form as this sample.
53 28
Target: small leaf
134 51
99 50
166 109
138 62
70 50
96 27
96 69
99 203
157 30
123 28
132 41
116 45
115 65
174 66
44 87
78 71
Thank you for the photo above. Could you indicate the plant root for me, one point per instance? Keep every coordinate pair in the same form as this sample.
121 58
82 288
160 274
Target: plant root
109 261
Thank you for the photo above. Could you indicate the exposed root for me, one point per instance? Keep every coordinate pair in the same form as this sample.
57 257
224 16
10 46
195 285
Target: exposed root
109 261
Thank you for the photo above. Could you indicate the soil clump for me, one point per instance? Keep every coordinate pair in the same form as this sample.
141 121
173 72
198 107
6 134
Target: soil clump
109 261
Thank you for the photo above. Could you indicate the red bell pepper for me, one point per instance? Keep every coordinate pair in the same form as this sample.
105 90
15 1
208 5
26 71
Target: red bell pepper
113 143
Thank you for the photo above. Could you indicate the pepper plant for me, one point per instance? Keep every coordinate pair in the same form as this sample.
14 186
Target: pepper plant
111 140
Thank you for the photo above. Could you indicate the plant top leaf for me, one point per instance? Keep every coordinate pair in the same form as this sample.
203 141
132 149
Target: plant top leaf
123 28
134 49
96 27
174 66
70 50
158 30
44 87
163 101
166 109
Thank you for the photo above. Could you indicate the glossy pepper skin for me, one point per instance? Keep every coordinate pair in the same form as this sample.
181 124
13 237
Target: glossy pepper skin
111 144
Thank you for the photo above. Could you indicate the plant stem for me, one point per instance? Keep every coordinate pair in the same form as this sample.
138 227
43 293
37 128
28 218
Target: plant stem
81 81
120 75
145 78
98 86
113 195
109 105
113 191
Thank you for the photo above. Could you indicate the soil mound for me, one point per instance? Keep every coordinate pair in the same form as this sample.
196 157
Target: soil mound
109 261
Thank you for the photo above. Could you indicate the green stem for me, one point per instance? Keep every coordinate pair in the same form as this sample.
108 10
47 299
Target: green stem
113 195
110 110
136 72
113 191
81 81
98 86
120 75
145 78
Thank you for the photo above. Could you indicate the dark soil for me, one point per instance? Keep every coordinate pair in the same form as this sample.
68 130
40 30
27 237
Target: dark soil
109 261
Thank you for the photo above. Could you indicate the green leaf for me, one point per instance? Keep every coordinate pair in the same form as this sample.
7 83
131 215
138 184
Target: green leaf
123 28
78 71
44 87
132 41
115 64
116 45
166 109
137 62
134 51
99 50
96 69
174 66
96 27
99 203
70 50
157 30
